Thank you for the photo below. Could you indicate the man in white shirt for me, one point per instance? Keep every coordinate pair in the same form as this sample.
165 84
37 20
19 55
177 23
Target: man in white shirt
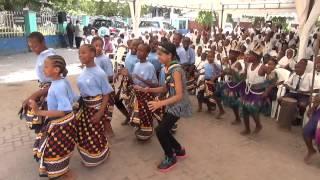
299 86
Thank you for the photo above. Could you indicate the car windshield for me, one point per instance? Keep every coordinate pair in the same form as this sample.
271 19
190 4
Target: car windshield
102 23
167 26
149 24
118 24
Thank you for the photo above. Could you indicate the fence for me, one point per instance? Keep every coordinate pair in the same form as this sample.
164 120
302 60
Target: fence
11 24
47 23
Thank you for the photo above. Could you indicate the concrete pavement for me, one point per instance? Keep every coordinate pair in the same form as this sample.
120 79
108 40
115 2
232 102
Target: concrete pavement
216 150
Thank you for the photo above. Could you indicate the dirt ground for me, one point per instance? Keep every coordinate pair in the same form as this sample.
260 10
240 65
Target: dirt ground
216 150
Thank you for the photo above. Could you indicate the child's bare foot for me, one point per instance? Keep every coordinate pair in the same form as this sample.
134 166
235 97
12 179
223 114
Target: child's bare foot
125 122
68 176
257 130
307 158
236 122
245 132
220 115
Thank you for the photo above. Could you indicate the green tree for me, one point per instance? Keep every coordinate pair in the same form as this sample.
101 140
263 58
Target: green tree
12 5
205 18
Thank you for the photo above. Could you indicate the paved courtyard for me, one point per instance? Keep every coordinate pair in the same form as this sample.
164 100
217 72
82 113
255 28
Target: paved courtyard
216 150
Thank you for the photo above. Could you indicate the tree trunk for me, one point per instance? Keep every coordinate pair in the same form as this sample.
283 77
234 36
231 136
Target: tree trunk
306 29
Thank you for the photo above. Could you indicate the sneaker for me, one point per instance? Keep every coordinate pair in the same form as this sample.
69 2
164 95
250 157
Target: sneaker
167 164
181 154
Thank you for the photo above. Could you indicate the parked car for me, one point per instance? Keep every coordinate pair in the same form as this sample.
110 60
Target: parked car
108 23
154 26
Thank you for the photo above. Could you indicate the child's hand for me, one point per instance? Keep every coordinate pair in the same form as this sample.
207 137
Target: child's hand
97 116
32 103
154 105
124 72
137 87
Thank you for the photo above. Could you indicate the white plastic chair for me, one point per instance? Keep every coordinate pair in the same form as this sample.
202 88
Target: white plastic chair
283 75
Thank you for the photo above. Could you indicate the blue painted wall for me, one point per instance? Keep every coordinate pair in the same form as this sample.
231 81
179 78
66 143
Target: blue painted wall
16 45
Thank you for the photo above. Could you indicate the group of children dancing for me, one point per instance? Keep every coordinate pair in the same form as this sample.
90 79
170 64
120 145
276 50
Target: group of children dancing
63 120
154 85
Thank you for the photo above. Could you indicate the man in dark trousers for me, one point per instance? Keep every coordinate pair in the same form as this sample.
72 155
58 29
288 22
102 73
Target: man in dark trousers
70 33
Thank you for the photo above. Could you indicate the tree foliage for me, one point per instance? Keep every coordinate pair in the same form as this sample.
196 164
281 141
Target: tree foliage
75 7
12 5
205 18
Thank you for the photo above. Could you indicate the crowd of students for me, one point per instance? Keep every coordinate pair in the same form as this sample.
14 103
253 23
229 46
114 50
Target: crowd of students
236 70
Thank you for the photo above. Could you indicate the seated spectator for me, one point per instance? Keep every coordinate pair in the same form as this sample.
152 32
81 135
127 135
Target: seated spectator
299 86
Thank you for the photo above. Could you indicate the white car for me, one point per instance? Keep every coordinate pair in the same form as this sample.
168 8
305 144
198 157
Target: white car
154 26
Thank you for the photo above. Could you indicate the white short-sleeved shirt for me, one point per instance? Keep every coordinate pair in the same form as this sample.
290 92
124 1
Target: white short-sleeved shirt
305 82
92 82
40 65
60 96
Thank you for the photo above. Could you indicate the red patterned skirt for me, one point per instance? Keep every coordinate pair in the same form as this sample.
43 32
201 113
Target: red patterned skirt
127 94
92 143
142 117
35 122
209 93
54 146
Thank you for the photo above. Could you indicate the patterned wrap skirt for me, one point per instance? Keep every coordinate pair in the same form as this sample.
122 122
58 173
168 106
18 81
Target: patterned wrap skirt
232 92
209 93
252 101
190 71
35 122
142 117
92 143
111 103
127 94
54 145
200 90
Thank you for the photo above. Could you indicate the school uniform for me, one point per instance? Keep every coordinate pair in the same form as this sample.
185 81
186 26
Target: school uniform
299 83
92 143
106 65
35 122
54 145
127 93
142 117
187 60
154 60
130 62
208 92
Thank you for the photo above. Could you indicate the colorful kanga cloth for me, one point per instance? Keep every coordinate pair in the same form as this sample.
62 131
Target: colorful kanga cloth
54 145
142 117
35 122
127 94
209 93
92 143
253 102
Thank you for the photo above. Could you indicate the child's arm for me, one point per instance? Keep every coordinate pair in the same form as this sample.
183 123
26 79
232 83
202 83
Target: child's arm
149 83
50 114
154 105
35 95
